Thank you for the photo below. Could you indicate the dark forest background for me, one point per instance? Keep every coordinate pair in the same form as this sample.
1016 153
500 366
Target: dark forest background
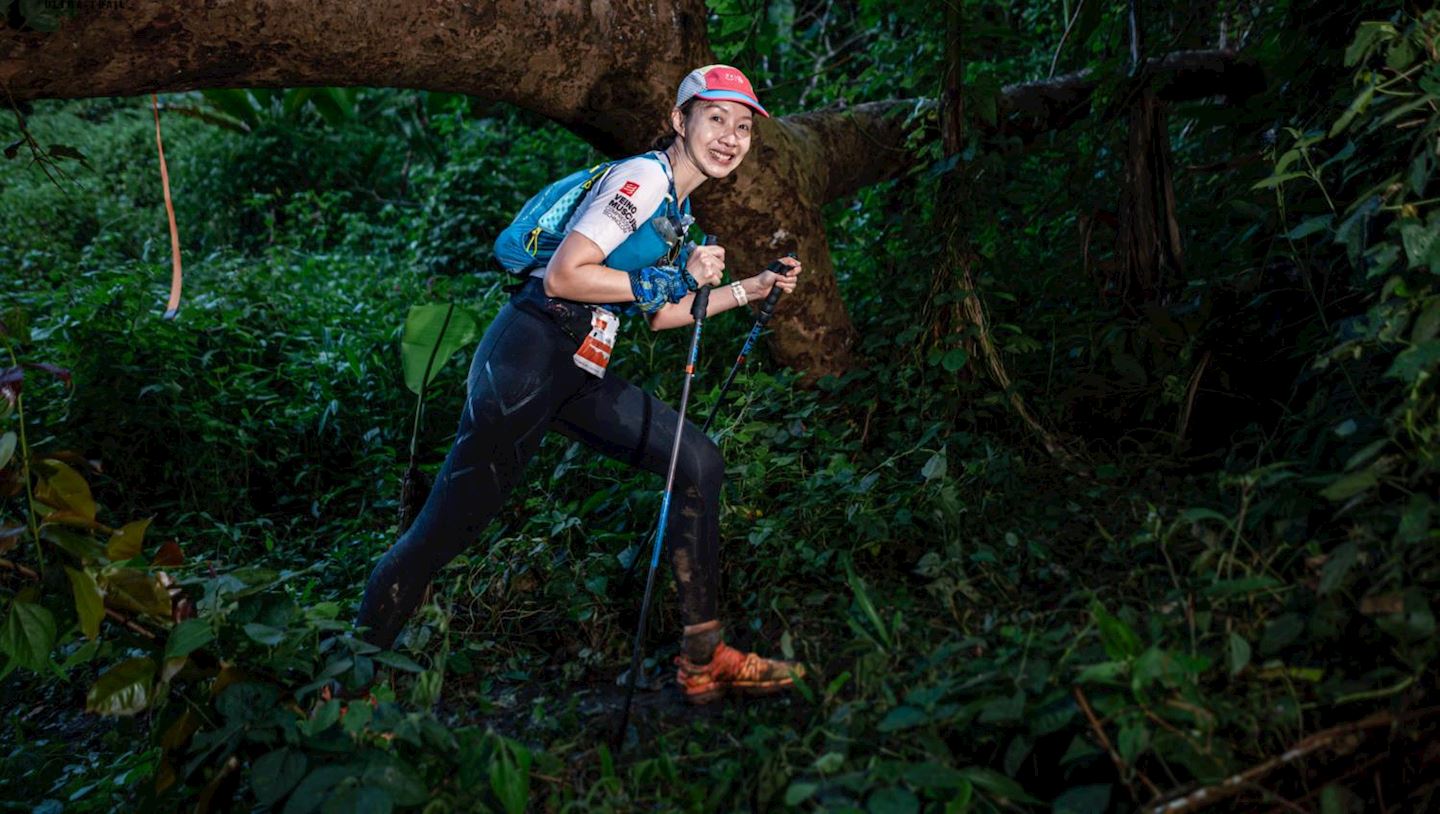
1130 495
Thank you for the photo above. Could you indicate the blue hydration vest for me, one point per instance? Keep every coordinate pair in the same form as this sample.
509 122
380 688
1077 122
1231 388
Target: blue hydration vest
531 239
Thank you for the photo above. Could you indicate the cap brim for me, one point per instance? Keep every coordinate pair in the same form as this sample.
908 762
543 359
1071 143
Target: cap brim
732 96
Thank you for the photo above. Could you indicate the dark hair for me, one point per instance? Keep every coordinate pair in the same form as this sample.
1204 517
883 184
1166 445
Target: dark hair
664 142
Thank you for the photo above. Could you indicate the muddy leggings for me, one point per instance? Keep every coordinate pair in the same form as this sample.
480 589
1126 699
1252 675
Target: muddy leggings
522 383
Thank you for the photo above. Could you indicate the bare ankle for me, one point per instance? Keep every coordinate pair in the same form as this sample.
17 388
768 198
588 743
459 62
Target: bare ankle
700 641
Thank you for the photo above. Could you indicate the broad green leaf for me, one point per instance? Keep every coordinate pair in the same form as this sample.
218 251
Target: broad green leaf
1119 640
935 467
1365 454
1367 36
1337 566
399 662
325 716
893 800
903 717
960 803
1198 513
433 331
316 788
28 635
275 774
1286 159
1415 522
955 358
294 99
134 590
89 604
1419 174
264 634
1419 241
1239 653
1134 739
1155 664
1310 226
333 105
1082 800
1004 708
7 448
862 598
352 799
397 780
244 702
1402 53
933 776
1427 325
127 541
187 637
1356 107
1332 800
997 784
77 544
1241 586
1106 672
510 776
239 104
799 791
1081 749
1277 180
1280 632
1347 486
63 488
124 689
1416 361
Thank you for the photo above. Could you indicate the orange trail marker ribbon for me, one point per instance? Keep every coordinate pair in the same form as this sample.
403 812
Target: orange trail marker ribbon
173 306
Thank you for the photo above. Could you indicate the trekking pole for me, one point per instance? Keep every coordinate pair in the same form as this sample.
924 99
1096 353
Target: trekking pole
767 309
697 310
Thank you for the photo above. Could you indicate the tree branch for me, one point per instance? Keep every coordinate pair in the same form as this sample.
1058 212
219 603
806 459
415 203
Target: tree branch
1030 109
1230 786
857 146
866 143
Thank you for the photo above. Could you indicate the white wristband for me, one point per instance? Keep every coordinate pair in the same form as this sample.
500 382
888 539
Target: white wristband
739 291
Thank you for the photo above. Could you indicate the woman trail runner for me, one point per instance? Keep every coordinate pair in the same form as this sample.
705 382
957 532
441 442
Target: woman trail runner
542 365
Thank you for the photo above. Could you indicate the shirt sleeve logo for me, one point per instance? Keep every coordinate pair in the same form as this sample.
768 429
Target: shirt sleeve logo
629 189
622 212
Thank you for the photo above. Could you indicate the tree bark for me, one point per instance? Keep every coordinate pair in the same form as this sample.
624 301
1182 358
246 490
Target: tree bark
1148 242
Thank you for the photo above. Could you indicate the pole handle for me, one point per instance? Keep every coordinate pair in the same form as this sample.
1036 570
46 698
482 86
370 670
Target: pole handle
702 294
767 308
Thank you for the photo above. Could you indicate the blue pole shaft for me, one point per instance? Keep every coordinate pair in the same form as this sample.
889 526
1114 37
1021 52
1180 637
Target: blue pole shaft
697 309
767 309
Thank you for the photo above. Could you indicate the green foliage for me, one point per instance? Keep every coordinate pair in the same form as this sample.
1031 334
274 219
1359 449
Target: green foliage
432 335
1244 562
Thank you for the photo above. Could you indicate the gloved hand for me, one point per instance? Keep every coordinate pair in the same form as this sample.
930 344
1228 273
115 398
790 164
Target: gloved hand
654 286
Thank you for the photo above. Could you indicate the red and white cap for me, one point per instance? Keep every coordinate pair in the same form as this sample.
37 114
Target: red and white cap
719 83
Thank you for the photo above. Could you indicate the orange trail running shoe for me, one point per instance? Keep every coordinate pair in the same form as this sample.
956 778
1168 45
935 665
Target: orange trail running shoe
729 669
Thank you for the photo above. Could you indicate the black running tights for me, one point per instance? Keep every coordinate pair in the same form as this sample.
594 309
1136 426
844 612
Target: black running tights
522 383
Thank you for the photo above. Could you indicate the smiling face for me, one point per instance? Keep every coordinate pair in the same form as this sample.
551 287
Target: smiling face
715 136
